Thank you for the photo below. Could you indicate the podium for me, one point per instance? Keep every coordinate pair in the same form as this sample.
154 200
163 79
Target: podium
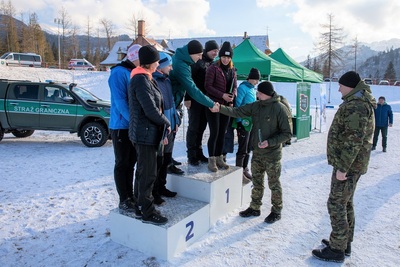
203 198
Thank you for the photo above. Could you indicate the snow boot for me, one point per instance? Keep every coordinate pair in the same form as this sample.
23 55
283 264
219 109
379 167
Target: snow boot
221 163
347 251
212 164
328 254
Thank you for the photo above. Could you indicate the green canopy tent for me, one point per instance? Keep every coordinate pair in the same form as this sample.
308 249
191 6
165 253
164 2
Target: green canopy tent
307 74
247 56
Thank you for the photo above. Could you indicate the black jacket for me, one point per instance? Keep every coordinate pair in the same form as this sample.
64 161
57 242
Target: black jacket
147 121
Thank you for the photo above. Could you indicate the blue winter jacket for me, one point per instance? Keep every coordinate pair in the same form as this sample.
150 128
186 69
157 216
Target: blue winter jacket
383 115
164 84
246 94
119 84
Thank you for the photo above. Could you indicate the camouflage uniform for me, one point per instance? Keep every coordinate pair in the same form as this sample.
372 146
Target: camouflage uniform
348 150
271 120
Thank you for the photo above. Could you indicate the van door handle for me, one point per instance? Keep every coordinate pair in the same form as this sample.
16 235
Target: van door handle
46 106
14 104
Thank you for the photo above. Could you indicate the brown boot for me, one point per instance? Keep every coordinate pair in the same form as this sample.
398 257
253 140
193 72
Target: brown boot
212 164
221 163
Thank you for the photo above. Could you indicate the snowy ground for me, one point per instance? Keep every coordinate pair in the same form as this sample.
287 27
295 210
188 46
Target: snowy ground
56 194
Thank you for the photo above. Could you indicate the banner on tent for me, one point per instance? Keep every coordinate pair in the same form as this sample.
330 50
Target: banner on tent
303 111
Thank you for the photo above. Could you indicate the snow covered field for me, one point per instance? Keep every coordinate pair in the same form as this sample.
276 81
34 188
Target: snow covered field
56 194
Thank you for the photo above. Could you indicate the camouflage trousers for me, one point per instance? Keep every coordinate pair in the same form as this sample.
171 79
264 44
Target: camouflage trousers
341 210
260 165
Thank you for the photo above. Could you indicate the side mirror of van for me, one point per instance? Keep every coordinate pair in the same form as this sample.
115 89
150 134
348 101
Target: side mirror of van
68 99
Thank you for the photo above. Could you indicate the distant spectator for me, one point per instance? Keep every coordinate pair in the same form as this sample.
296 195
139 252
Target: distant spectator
383 120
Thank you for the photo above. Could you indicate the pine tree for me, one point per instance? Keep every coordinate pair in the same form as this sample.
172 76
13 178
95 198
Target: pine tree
390 73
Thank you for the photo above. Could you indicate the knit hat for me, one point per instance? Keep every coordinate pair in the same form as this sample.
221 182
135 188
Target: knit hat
266 88
148 54
165 60
226 50
211 45
350 79
133 52
254 74
195 47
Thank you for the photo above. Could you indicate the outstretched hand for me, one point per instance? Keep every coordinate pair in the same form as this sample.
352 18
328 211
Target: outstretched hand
215 108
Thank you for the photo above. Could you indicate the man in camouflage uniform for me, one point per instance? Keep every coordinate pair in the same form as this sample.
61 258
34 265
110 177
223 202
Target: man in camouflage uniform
271 126
348 151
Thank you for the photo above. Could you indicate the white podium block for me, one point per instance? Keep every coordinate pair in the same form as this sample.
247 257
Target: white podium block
188 220
223 189
247 186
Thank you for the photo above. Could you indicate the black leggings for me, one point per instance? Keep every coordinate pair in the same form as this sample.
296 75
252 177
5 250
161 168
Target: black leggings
217 124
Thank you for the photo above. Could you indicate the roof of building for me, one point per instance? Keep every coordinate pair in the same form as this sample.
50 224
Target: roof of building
260 41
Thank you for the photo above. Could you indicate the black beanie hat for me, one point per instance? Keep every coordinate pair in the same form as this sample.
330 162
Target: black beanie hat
254 74
266 88
148 54
350 79
211 45
194 47
226 50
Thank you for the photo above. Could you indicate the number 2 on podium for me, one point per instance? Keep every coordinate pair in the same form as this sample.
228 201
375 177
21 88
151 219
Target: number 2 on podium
190 233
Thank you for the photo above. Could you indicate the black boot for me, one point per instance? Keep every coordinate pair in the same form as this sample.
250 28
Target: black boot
200 156
172 169
192 158
328 254
167 193
347 251
249 212
272 217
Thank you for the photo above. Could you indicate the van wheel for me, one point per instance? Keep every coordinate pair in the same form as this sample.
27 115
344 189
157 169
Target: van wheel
93 134
22 133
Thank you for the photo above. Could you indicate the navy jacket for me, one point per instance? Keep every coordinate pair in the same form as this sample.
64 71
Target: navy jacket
383 115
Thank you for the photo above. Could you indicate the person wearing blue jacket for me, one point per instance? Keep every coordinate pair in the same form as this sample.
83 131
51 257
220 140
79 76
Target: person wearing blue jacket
383 120
124 151
164 160
246 94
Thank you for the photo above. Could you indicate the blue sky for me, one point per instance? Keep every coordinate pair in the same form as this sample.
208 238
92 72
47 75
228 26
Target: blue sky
293 25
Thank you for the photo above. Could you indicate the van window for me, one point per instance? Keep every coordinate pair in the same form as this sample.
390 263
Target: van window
30 92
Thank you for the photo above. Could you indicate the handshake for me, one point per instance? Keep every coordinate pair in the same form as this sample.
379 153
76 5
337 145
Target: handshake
216 107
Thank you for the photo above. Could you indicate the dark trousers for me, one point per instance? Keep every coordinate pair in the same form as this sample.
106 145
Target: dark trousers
163 161
341 210
196 128
146 175
243 152
217 123
384 131
125 160
229 139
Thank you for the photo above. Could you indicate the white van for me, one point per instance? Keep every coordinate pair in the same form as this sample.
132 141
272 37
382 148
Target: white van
80 64
21 59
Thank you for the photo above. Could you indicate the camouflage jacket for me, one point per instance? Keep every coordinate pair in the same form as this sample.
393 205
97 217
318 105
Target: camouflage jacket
271 122
350 135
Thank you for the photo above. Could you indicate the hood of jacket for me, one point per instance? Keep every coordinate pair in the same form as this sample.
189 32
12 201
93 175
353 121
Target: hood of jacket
141 70
361 92
182 53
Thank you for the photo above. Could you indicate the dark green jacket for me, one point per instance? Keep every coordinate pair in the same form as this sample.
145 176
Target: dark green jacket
270 120
350 134
181 78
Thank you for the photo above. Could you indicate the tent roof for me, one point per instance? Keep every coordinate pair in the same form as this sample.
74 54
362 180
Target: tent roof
247 56
307 75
